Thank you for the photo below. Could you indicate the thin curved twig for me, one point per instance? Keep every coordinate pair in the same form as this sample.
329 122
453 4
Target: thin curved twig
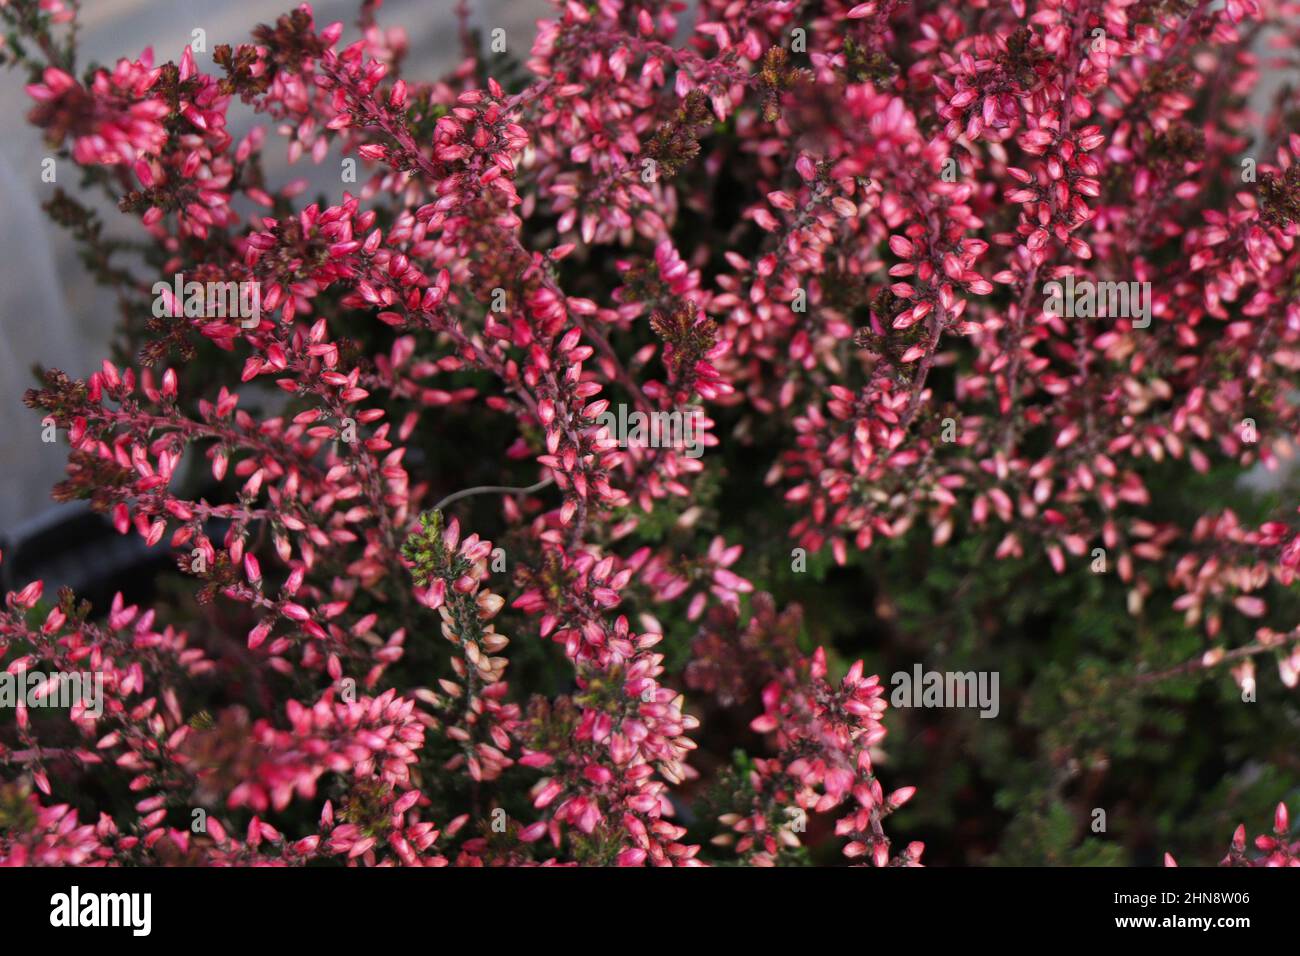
488 489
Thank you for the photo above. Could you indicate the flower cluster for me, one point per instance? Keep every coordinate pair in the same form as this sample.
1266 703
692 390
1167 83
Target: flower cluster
1276 850
984 273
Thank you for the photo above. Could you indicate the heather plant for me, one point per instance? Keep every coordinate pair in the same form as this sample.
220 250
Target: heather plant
980 313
